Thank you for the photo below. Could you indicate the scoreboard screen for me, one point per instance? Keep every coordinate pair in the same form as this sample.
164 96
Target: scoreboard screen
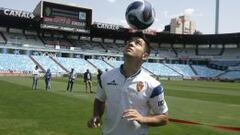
65 17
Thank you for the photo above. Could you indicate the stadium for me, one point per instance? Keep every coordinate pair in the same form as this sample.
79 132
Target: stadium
200 72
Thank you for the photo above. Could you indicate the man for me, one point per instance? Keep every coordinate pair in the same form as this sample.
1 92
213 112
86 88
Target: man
48 77
88 81
133 99
99 75
71 79
35 74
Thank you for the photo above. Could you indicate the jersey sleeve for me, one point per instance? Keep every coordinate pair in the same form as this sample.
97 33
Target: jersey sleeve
157 101
100 93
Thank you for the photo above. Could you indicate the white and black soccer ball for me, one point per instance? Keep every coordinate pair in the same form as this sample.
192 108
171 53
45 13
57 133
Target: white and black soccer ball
140 14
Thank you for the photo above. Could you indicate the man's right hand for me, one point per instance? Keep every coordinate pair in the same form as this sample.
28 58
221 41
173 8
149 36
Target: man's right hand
94 122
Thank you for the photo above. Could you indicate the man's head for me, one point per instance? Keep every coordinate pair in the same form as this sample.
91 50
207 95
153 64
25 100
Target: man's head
99 71
137 47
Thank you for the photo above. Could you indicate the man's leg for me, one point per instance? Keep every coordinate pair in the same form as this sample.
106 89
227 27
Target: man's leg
36 81
49 84
90 86
68 85
46 84
71 86
86 86
33 83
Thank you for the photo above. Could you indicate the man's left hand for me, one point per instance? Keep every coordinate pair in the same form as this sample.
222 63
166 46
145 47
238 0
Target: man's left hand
132 114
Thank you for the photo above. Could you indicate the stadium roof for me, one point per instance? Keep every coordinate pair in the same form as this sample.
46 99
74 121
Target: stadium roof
17 19
233 38
123 33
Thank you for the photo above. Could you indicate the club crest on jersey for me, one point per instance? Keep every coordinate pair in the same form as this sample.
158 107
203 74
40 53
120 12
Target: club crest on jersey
160 103
139 86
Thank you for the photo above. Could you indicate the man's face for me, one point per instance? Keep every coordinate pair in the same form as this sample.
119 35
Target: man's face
136 48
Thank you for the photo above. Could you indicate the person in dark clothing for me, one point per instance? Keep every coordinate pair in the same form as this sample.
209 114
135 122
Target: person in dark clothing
71 79
48 77
88 81
99 74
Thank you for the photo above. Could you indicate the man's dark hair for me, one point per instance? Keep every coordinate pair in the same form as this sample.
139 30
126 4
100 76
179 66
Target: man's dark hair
142 35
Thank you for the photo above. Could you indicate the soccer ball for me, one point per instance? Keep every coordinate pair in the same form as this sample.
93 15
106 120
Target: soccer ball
140 15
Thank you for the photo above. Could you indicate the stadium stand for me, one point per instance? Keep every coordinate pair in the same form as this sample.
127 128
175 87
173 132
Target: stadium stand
111 47
182 69
231 53
64 44
48 63
2 40
100 64
88 46
97 46
115 63
31 40
223 62
80 65
203 71
231 75
18 63
160 70
15 38
21 40
186 53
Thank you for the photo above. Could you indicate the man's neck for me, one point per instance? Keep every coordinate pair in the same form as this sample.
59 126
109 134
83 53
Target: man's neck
130 68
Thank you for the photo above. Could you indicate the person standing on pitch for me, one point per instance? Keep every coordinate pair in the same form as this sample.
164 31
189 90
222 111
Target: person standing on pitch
35 74
132 98
99 75
71 79
48 77
88 81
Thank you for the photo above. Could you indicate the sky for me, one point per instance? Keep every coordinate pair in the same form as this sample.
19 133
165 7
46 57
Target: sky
202 12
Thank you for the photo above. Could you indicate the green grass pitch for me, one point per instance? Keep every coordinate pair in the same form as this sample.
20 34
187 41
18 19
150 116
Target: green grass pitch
27 112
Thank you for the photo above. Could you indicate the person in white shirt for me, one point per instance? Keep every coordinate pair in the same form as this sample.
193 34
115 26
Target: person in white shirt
132 98
35 74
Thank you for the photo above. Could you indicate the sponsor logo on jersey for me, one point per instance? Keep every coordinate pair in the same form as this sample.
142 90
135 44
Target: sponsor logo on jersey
113 82
139 86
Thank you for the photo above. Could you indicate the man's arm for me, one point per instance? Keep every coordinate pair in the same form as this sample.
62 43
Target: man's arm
155 120
98 111
151 120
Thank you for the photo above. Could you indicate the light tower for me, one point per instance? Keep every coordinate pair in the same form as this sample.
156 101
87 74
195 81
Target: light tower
217 17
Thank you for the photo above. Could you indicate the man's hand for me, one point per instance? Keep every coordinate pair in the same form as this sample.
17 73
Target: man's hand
151 120
94 122
132 114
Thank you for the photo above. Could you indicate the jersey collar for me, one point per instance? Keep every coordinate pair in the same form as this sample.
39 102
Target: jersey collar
135 74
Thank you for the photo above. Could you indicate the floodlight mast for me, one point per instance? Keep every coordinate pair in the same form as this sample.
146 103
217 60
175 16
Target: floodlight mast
217 17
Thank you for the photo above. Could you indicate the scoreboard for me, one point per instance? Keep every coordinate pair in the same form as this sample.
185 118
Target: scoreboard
65 17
